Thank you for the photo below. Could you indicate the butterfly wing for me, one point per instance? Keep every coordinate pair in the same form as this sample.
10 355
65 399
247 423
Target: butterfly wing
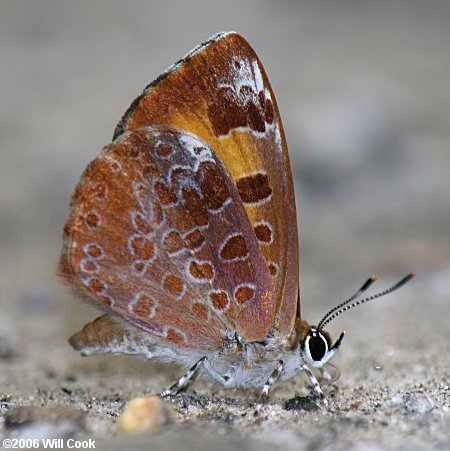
221 93
158 234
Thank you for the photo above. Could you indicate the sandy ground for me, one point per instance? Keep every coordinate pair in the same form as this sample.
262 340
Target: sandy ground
364 92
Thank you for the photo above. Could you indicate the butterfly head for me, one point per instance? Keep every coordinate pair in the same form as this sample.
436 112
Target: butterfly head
317 348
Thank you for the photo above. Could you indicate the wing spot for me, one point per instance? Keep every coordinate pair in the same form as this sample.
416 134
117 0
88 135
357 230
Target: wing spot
88 265
198 149
255 119
164 150
173 284
140 267
93 250
234 248
244 293
201 270
143 306
142 247
166 195
225 112
214 187
195 206
140 223
179 173
264 232
254 188
93 220
173 242
219 299
273 268
96 285
194 240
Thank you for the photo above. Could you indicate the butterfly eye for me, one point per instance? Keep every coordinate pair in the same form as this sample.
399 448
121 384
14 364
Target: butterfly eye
316 349
318 346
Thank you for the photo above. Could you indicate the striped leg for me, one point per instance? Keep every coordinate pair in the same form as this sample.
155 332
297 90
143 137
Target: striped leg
184 380
315 384
272 379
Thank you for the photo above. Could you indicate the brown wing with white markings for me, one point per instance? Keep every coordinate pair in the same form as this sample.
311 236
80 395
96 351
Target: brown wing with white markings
158 235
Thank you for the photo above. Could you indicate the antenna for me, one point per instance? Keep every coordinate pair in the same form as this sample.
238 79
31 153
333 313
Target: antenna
348 304
365 287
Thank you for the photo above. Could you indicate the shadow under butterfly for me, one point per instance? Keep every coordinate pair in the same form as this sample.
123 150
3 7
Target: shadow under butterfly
184 229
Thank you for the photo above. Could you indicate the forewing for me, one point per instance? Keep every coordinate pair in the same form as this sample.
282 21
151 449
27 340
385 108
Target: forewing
158 234
220 92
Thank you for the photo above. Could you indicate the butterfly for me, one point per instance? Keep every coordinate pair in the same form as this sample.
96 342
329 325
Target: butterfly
184 230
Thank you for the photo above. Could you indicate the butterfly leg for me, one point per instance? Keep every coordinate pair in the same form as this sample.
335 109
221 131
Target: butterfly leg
184 380
315 384
272 379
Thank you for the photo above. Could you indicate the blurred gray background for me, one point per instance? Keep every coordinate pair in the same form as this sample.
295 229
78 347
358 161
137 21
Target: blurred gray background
364 93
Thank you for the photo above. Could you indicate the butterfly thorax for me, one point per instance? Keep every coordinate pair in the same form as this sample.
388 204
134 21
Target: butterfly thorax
250 364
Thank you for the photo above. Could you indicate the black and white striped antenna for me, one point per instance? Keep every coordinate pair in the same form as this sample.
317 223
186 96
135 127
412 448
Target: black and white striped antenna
348 304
